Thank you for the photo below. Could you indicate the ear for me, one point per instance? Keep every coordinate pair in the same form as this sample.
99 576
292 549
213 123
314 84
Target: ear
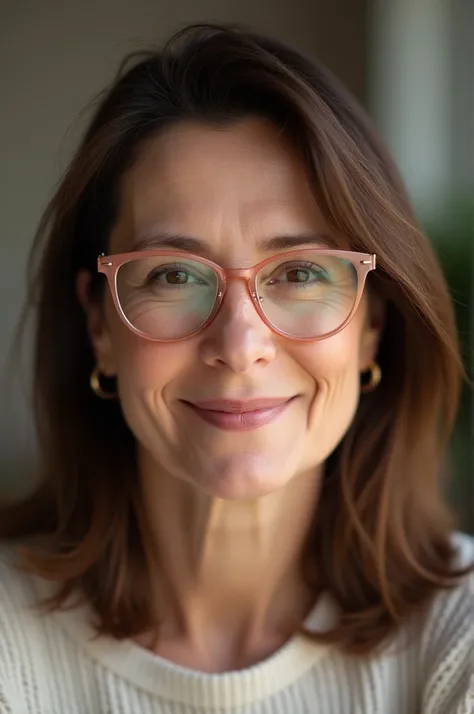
97 327
371 331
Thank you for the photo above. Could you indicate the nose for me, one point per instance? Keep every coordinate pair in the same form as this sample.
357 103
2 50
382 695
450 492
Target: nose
237 339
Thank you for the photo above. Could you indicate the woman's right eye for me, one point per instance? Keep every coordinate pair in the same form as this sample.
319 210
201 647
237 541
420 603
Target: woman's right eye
173 276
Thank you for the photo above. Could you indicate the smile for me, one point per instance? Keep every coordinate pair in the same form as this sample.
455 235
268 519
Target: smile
233 415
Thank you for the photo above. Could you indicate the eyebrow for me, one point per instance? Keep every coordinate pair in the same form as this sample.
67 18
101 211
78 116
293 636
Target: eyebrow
200 247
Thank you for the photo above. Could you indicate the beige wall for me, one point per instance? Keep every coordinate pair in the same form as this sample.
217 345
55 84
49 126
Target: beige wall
54 56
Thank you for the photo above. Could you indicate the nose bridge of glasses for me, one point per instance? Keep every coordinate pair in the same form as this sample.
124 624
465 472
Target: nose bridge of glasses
239 273
245 276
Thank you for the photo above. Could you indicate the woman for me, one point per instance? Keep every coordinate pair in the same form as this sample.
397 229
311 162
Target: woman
246 369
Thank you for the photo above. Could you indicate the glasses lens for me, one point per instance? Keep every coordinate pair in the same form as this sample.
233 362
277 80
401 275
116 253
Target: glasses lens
165 297
308 295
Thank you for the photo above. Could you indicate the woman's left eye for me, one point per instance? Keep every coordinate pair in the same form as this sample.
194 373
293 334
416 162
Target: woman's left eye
300 275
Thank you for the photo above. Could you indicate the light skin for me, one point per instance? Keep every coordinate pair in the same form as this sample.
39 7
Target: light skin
228 511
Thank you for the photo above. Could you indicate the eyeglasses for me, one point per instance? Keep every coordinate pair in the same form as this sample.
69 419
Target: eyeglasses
168 295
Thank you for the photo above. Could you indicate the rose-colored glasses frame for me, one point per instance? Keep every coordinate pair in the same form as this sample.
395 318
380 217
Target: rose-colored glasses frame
109 265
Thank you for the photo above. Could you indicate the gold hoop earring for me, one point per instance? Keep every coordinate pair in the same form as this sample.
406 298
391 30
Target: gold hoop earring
97 388
374 378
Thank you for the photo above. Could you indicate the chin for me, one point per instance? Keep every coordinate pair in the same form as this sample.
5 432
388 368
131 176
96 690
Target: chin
242 478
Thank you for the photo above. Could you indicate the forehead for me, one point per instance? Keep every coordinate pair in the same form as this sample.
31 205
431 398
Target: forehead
232 186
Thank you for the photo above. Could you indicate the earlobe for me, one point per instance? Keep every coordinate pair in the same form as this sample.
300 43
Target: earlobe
96 325
369 349
372 332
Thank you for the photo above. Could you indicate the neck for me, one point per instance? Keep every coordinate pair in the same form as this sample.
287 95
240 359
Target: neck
227 583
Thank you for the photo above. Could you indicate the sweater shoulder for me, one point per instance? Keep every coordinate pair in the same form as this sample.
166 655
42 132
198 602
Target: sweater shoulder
16 585
453 608
17 590
20 626
20 618
457 603
447 644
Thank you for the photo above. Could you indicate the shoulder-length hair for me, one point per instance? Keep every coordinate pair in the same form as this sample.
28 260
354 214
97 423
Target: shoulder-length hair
380 544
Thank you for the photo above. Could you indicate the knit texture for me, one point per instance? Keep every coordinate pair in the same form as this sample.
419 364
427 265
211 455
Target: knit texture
52 664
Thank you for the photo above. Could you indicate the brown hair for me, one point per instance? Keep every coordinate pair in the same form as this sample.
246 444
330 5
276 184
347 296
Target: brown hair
381 539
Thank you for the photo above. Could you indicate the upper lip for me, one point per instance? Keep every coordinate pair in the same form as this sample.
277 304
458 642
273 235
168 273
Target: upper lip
238 406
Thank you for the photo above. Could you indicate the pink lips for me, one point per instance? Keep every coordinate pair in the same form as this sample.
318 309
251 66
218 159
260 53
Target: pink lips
233 415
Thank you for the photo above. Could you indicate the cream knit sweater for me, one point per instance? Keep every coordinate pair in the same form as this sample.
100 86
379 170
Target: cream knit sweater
51 665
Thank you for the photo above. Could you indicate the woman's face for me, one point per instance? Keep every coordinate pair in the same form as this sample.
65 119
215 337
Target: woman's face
232 188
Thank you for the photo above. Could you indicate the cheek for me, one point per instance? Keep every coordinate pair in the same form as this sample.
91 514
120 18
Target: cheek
146 366
332 361
333 366
148 372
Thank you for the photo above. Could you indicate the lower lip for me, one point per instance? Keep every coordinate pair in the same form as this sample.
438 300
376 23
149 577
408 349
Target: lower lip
245 421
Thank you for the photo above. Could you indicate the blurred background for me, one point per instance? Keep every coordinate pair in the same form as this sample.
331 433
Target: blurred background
410 62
